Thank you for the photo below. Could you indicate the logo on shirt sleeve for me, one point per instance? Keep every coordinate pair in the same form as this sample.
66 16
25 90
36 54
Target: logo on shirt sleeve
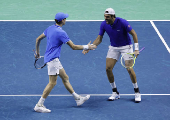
129 26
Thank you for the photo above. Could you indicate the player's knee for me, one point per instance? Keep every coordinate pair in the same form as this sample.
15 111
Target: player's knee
130 71
66 81
108 69
65 78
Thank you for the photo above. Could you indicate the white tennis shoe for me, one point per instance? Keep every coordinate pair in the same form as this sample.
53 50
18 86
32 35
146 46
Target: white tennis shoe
114 96
82 100
137 97
41 108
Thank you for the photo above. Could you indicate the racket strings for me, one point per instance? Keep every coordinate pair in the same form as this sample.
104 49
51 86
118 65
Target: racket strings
39 63
128 60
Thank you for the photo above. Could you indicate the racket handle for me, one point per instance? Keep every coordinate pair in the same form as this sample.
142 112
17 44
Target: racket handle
141 49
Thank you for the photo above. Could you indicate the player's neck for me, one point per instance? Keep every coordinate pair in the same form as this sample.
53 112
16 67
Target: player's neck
59 25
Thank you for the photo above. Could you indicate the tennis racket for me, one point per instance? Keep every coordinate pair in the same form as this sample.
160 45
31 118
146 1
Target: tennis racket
39 62
128 59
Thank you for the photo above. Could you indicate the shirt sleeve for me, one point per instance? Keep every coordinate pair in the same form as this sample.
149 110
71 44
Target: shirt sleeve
102 30
45 32
64 37
127 26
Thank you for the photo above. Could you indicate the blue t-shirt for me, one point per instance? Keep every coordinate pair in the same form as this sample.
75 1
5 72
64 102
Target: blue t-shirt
55 38
118 32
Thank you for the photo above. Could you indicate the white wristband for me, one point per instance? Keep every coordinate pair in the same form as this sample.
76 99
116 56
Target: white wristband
136 46
85 47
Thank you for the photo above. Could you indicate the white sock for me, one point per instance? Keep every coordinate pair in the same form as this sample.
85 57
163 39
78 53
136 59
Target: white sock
75 95
135 85
113 85
41 101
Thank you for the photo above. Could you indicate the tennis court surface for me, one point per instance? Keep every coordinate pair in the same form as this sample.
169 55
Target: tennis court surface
22 85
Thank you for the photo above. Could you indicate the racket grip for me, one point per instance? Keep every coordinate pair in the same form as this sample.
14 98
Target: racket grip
141 49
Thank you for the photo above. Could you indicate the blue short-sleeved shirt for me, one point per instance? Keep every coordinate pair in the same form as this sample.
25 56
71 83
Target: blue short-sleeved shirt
118 32
55 38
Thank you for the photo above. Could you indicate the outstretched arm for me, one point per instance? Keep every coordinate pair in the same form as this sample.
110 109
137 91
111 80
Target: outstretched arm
81 47
97 41
38 40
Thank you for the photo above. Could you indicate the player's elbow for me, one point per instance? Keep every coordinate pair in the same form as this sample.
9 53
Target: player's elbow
73 47
37 40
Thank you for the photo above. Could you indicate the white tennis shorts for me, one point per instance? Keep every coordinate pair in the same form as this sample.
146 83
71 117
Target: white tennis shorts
54 67
115 52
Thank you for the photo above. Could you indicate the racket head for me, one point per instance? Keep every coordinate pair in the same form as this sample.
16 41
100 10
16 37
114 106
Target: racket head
128 60
39 62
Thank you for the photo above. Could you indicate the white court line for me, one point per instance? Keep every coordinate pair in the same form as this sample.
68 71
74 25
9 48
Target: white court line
157 31
65 95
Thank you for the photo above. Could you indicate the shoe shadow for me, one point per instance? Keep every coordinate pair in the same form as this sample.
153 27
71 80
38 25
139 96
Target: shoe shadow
131 100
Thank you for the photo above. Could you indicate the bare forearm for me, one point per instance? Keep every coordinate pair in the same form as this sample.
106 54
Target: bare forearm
98 40
81 47
136 45
37 45
38 40
77 47
135 38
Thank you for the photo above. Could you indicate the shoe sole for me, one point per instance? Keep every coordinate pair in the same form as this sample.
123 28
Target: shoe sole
137 101
114 99
40 111
88 96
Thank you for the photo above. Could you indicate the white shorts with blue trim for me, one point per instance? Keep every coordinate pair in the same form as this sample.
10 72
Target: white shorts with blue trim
115 52
54 67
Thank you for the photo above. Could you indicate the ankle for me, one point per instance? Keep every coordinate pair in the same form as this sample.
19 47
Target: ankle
136 90
76 96
115 90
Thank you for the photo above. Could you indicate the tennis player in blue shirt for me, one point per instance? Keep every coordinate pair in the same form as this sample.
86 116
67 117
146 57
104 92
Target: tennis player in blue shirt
56 36
118 30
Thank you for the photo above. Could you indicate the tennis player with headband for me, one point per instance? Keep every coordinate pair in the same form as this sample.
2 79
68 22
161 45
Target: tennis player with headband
56 36
118 30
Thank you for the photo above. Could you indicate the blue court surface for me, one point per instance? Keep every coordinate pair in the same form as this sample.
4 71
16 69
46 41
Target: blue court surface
22 85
